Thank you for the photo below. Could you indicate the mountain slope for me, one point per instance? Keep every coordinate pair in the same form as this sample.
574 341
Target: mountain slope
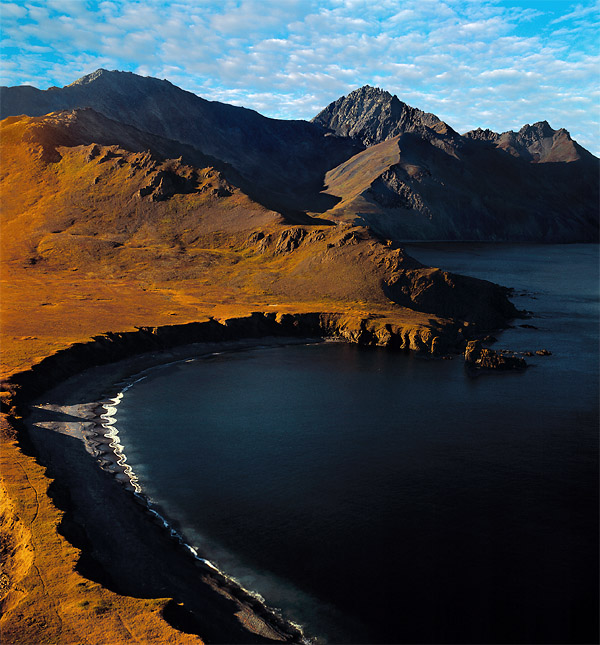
429 183
109 212
286 160
410 188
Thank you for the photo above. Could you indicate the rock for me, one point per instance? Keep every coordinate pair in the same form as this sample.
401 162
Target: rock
289 240
489 339
478 357
543 352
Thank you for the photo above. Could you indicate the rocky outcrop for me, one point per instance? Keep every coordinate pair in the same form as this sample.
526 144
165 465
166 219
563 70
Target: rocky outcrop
482 358
453 296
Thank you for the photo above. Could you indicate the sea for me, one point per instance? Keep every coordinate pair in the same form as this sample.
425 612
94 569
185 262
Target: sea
373 496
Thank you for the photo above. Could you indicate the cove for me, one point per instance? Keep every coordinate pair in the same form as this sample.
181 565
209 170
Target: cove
380 497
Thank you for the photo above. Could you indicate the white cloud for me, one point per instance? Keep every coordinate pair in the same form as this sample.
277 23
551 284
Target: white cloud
13 10
580 11
474 62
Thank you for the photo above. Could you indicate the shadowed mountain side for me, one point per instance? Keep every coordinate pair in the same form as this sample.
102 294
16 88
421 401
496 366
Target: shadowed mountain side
286 160
410 187
536 185
107 212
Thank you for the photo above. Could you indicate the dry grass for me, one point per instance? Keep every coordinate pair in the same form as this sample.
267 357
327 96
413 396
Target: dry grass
44 600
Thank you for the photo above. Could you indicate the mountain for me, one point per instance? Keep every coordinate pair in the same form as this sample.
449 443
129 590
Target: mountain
537 143
419 179
367 159
284 160
84 193
411 187
371 115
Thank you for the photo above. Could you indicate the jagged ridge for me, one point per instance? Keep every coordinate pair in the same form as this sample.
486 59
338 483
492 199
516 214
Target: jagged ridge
372 115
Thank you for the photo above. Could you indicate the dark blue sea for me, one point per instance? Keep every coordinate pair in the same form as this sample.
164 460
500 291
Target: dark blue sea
379 497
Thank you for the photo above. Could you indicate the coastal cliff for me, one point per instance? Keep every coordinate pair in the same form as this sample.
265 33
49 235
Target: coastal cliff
234 615
21 387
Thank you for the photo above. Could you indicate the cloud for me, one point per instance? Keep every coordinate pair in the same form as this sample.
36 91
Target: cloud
475 63
580 11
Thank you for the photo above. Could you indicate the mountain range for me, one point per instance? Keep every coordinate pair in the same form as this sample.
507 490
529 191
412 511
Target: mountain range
367 159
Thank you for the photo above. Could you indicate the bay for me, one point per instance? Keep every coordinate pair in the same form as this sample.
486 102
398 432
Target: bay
381 497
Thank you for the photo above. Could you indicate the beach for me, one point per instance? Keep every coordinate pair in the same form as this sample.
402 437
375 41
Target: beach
125 545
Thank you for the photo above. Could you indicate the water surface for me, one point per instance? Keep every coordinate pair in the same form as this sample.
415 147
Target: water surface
379 497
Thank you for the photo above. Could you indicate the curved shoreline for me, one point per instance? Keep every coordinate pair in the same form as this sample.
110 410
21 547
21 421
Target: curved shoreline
139 347
99 432
111 456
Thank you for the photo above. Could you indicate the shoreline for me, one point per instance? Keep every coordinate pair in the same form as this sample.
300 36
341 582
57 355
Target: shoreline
98 432
203 602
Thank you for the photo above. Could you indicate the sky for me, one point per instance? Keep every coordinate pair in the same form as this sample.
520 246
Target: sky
494 64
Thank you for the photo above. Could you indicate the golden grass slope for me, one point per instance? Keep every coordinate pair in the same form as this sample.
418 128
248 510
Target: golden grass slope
43 598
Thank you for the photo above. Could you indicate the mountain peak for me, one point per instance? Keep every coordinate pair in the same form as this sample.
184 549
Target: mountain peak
372 115
369 90
90 78
116 77
538 129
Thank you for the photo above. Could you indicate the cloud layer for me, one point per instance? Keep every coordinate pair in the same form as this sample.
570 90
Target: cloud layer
474 63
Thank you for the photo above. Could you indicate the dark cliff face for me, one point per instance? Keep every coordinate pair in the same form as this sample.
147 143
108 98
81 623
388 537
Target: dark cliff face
371 115
403 172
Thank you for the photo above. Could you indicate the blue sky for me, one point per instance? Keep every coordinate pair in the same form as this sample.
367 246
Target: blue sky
487 63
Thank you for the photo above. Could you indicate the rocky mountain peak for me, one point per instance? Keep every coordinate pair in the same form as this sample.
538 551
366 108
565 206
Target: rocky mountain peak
368 91
372 115
90 78
541 129
537 143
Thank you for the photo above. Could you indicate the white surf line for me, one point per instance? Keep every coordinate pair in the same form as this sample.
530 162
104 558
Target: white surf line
108 422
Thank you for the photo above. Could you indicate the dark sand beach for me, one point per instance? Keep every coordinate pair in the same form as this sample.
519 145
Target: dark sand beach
125 546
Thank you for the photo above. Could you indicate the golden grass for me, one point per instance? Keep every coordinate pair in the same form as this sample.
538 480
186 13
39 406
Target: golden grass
44 600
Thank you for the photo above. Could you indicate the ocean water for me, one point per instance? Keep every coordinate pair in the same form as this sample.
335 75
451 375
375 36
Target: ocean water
379 497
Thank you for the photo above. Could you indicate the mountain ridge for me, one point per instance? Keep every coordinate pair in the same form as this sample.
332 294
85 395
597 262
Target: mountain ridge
537 184
372 115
